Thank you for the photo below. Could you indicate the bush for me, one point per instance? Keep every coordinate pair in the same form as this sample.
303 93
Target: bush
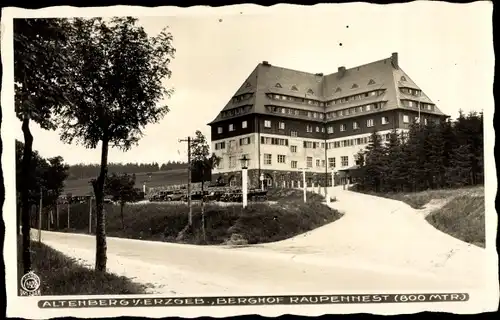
258 223
285 194
61 275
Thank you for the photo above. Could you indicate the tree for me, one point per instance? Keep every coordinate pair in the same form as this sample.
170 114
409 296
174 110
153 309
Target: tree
374 168
40 74
202 162
122 189
117 84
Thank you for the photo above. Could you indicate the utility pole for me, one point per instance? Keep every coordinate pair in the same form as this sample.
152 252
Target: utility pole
90 215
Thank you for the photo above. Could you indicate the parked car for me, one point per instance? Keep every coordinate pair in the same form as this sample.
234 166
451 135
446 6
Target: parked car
175 196
214 196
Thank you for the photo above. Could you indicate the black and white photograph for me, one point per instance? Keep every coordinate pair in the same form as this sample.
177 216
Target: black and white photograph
222 161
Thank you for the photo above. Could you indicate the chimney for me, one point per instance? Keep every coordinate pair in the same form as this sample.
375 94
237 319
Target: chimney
265 63
319 74
341 71
394 60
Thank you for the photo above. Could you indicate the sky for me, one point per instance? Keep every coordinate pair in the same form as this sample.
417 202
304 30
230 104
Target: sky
447 49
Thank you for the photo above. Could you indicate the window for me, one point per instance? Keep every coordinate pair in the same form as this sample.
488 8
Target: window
244 124
342 127
338 89
281 158
354 86
371 82
317 162
355 125
331 162
231 127
429 107
410 104
385 120
248 85
244 141
403 78
220 146
308 144
278 85
317 129
425 121
323 163
268 159
267 123
309 128
310 91
322 145
369 123
368 107
294 88
219 130
406 118
293 148
344 161
330 129
282 125
231 144
293 164
232 162
309 162
293 133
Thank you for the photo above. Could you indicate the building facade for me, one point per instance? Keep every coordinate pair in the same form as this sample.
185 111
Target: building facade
287 122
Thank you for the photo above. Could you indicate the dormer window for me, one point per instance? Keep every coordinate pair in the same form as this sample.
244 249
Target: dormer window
354 86
371 82
278 85
338 90
247 85
294 88
310 91
403 78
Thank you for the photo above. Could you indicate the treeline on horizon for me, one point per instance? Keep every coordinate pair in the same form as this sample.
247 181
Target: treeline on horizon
82 171
432 156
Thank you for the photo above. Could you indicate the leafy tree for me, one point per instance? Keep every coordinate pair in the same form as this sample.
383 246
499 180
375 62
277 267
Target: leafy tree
121 188
40 76
117 84
202 163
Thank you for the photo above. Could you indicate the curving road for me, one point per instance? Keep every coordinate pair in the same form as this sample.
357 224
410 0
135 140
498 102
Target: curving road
378 245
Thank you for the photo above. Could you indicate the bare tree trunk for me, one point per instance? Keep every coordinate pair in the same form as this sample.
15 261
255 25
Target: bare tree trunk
26 176
122 204
100 232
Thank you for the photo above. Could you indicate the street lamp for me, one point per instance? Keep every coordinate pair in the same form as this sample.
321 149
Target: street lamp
304 186
244 179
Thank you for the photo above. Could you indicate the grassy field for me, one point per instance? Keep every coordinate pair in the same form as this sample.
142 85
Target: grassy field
418 200
158 179
61 275
258 223
463 217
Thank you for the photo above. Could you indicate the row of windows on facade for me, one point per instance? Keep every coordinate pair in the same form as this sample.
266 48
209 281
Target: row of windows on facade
330 129
281 158
329 115
327 103
306 144
236 112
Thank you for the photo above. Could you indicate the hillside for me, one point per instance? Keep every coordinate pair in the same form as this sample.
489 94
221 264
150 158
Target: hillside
159 178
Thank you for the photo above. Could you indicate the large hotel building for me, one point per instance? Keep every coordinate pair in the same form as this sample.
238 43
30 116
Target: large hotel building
285 120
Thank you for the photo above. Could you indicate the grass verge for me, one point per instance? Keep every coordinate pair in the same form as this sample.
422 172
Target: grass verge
463 217
62 275
418 200
258 223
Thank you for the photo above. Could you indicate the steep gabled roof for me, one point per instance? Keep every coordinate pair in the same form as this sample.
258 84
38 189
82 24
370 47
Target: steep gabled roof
382 74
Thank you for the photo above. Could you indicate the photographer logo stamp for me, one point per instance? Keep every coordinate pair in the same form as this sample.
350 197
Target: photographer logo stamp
30 284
